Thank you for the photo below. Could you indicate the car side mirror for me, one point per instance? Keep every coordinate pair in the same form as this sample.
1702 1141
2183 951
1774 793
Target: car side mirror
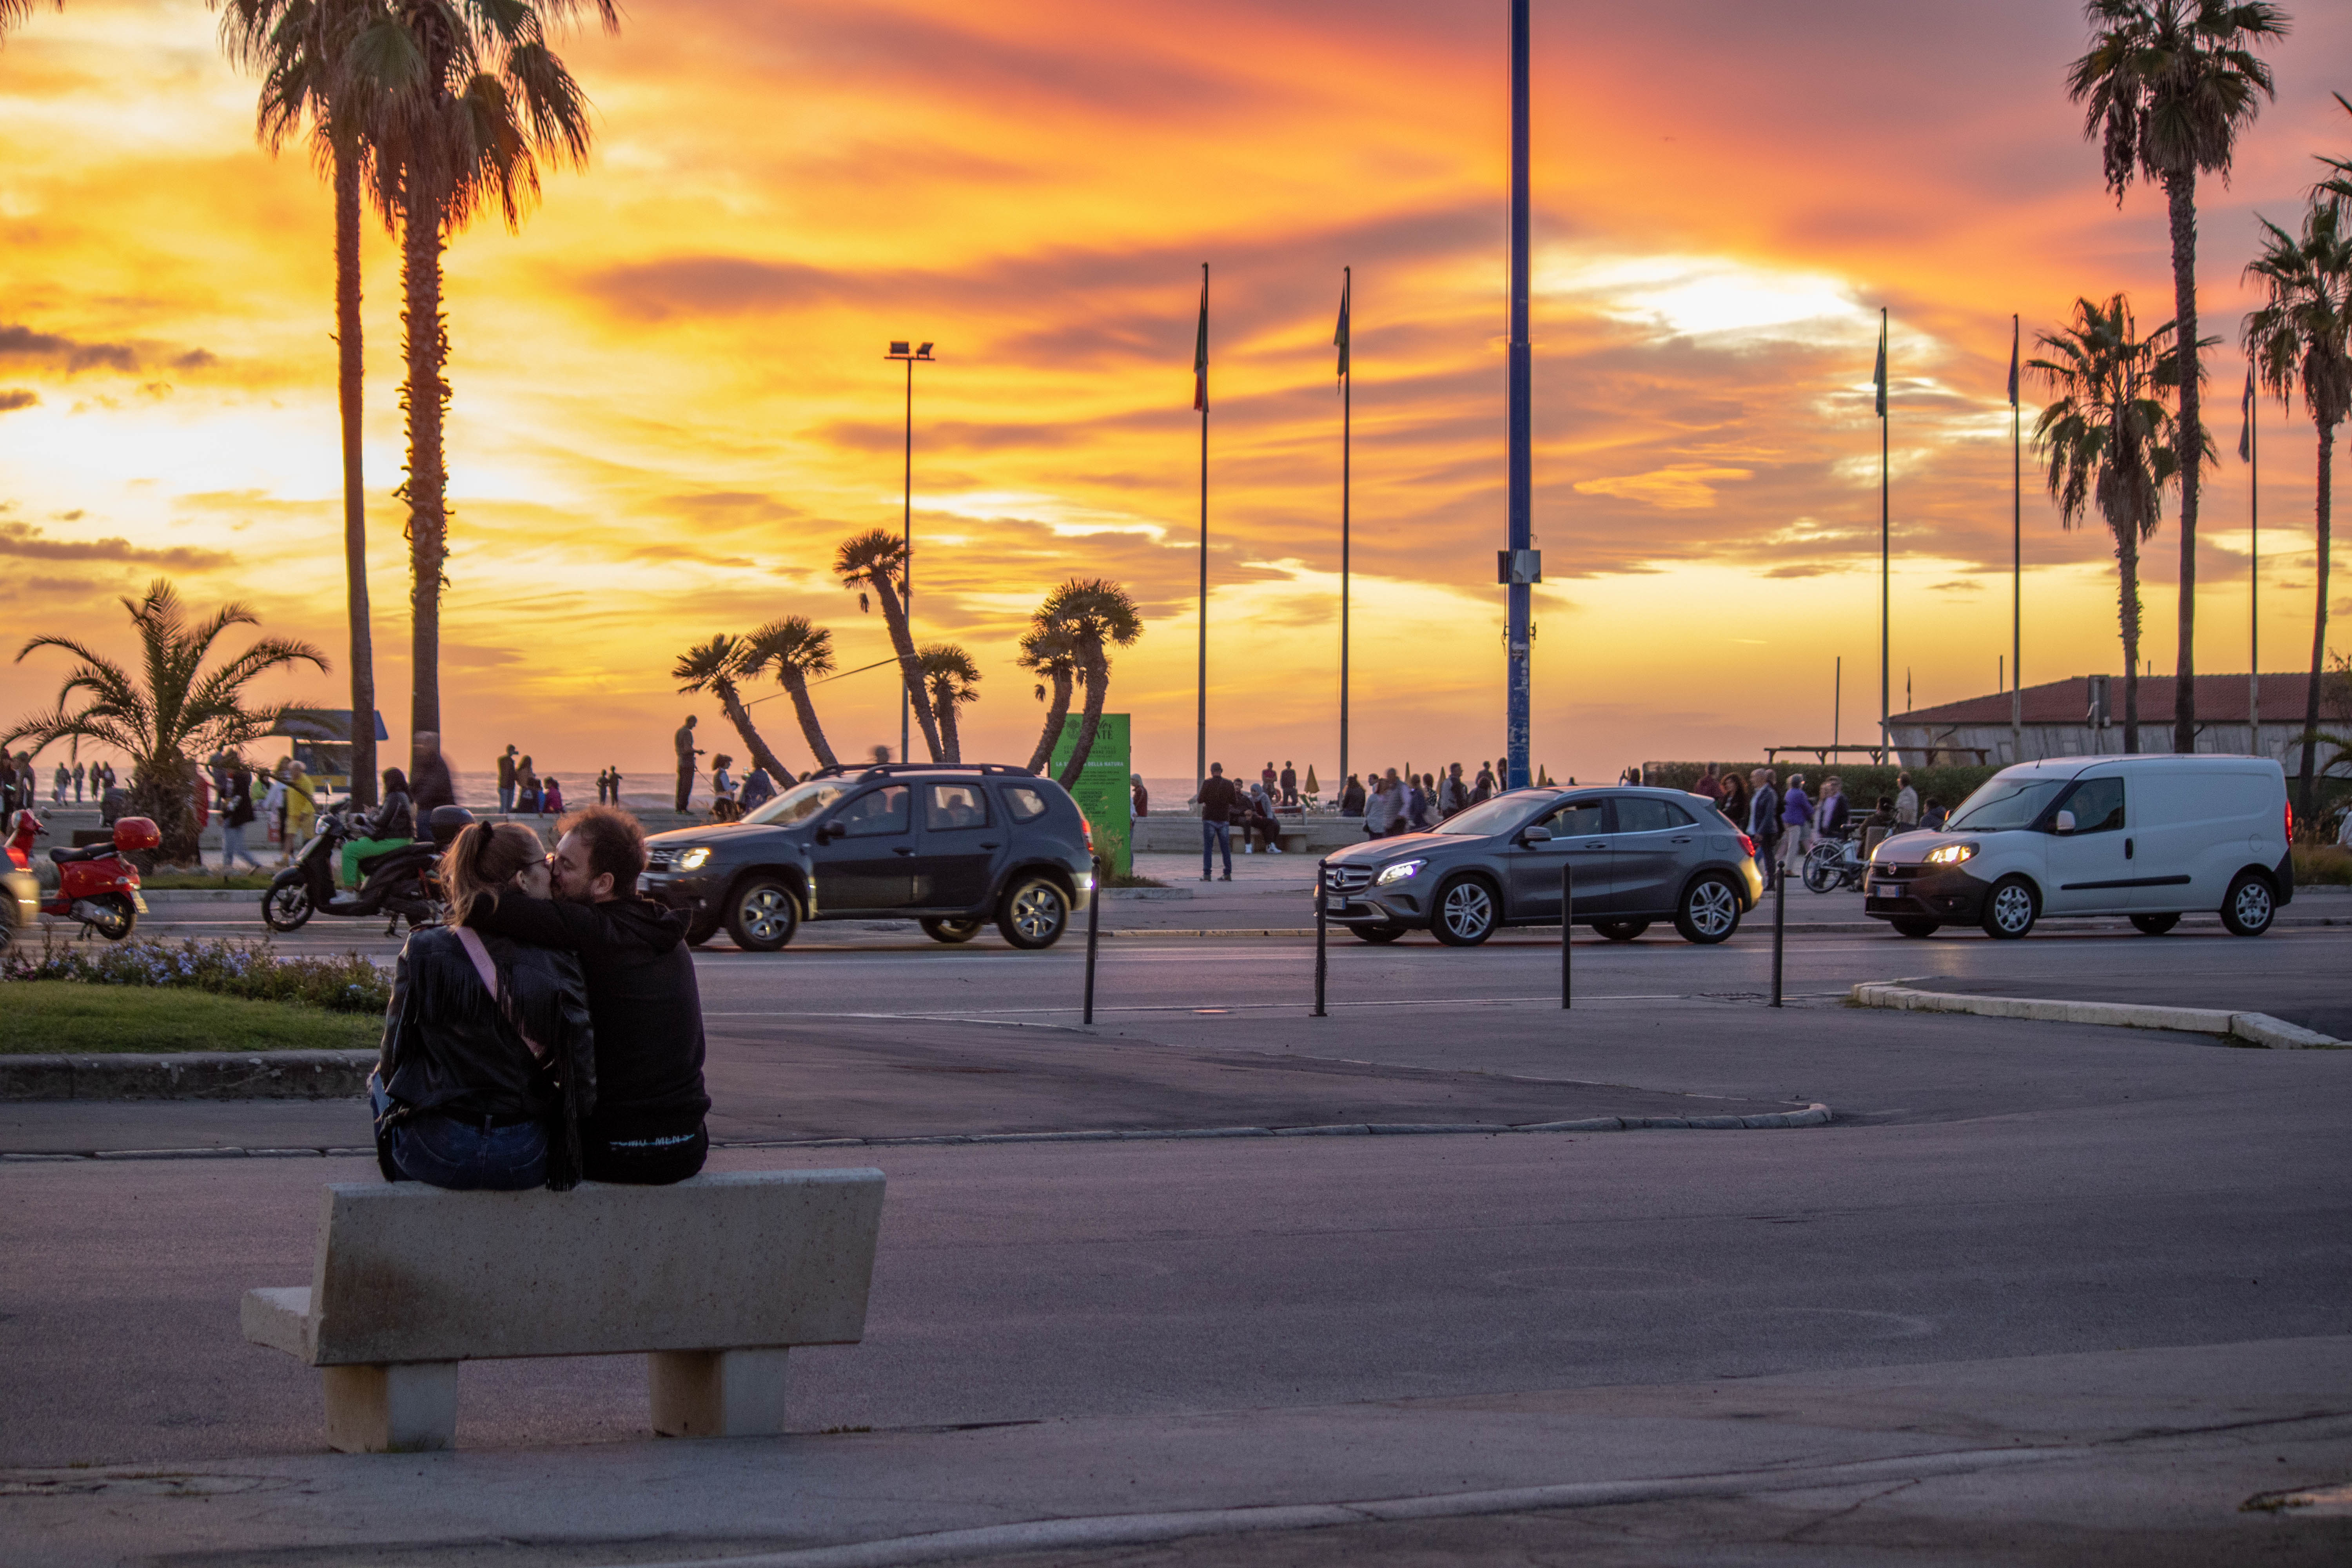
827 832
2062 822
1535 835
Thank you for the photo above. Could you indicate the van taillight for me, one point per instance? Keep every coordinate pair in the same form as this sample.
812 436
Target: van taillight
2290 822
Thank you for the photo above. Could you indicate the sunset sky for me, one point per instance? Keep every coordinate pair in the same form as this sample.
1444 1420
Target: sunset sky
671 403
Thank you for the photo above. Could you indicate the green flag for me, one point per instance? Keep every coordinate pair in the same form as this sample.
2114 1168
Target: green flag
1878 376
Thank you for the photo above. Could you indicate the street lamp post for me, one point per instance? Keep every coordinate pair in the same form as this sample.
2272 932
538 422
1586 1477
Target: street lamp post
921 354
1519 564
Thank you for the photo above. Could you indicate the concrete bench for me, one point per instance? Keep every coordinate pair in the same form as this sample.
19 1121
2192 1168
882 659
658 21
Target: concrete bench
714 1278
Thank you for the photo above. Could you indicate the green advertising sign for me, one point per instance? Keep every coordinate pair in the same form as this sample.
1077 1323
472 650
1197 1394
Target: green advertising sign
1101 791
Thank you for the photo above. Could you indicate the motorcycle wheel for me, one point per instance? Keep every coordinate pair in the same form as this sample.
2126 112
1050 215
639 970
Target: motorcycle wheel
119 917
287 905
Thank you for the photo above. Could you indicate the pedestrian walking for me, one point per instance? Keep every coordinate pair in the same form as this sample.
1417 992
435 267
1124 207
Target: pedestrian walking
1831 814
236 816
683 744
1906 803
1763 820
1384 809
1482 789
273 809
1138 798
617 783
508 778
77 776
1796 825
1289 784
1217 797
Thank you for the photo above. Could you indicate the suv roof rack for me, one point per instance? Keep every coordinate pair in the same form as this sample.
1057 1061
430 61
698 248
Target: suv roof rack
869 770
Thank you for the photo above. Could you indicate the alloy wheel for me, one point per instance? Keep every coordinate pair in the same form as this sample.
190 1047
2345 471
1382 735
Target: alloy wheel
1465 914
2008 913
1711 912
1034 914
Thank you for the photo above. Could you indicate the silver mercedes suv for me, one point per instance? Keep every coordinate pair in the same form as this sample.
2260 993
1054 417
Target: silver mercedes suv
1635 856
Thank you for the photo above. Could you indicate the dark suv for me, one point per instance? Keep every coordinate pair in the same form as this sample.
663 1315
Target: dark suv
952 846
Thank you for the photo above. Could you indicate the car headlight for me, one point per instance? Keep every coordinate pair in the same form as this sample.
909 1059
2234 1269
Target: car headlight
1399 872
1951 854
693 859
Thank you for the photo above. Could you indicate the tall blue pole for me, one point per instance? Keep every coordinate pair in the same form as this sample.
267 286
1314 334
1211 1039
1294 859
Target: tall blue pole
1521 379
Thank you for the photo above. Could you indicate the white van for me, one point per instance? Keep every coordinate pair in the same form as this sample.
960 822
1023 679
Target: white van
2148 837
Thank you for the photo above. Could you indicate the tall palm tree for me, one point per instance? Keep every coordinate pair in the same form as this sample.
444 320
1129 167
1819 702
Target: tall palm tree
2167 85
1099 615
491 102
878 560
2109 440
950 680
712 667
2338 185
171 712
1046 649
2304 333
330 67
798 652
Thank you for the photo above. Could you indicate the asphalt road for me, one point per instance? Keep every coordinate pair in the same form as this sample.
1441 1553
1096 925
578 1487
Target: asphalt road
1998 1208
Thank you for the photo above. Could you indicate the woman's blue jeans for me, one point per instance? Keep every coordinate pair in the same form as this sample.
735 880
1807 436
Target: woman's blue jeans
464 1154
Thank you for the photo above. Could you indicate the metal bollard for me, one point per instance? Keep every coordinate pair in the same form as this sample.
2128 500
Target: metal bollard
1779 928
1322 928
1567 928
1094 928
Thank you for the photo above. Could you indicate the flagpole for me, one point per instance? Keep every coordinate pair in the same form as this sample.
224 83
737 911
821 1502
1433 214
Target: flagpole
2016 556
1347 422
1885 596
1200 677
2253 576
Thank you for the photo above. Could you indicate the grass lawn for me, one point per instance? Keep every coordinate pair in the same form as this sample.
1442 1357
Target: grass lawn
2322 864
39 1015
244 881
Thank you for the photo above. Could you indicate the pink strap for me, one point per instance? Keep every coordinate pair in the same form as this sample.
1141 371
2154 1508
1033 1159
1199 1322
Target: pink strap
488 971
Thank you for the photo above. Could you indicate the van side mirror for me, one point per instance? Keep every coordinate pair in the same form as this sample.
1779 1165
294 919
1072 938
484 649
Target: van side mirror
2062 822
1535 835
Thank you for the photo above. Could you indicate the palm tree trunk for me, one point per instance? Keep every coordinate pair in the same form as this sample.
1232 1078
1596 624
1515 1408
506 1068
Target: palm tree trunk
350 384
911 669
2127 557
163 787
810 731
1098 687
951 743
2307 783
1055 716
425 342
740 716
2180 194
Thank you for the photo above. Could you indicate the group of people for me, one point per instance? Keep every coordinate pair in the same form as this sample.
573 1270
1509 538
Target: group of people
1415 803
551 1033
1785 822
759 788
522 791
1225 806
20 784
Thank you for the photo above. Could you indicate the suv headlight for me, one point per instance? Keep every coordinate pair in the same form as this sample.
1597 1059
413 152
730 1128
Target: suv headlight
693 859
1951 854
1399 872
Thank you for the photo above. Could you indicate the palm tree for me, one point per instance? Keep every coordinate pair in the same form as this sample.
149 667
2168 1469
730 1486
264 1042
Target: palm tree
13 12
2109 440
2168 84
1099 614
174 711
2304 333
712 667
1046 649
877 559
949 679
489 102
799 651
2337 185
331 66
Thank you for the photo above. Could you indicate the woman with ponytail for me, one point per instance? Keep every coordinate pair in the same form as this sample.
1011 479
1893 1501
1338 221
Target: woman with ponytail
488 1063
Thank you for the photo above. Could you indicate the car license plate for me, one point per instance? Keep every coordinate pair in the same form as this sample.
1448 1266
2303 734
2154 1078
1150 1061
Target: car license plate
1886 889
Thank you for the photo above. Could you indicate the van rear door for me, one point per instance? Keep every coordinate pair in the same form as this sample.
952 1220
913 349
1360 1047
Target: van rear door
2197 826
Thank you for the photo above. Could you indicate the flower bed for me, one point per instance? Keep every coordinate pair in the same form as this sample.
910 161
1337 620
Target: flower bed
251 969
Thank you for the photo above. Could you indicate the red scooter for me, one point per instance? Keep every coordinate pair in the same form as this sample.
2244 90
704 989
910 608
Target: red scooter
97 886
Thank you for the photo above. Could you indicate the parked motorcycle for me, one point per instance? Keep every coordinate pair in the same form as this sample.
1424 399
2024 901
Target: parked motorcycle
398 884
98 886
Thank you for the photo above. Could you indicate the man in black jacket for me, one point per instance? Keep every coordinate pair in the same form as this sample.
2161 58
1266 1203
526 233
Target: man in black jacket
647 1127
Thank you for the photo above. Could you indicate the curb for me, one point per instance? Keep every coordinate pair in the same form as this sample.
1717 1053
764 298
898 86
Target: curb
2256 1029
188 1075
1813 1115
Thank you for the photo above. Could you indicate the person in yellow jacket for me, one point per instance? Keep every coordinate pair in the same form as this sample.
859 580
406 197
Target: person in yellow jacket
301 805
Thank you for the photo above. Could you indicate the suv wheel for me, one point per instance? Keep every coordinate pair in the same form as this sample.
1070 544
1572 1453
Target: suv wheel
1709 912
2155 925
700 927
762 914
1621 931
2251 904
2010 908
951 931
1465 914
1035 913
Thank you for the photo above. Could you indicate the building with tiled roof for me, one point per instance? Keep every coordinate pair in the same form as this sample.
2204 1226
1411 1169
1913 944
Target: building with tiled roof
2058 721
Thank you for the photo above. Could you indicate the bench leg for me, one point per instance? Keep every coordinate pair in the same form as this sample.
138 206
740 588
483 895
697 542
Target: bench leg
718 1393
408 1408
